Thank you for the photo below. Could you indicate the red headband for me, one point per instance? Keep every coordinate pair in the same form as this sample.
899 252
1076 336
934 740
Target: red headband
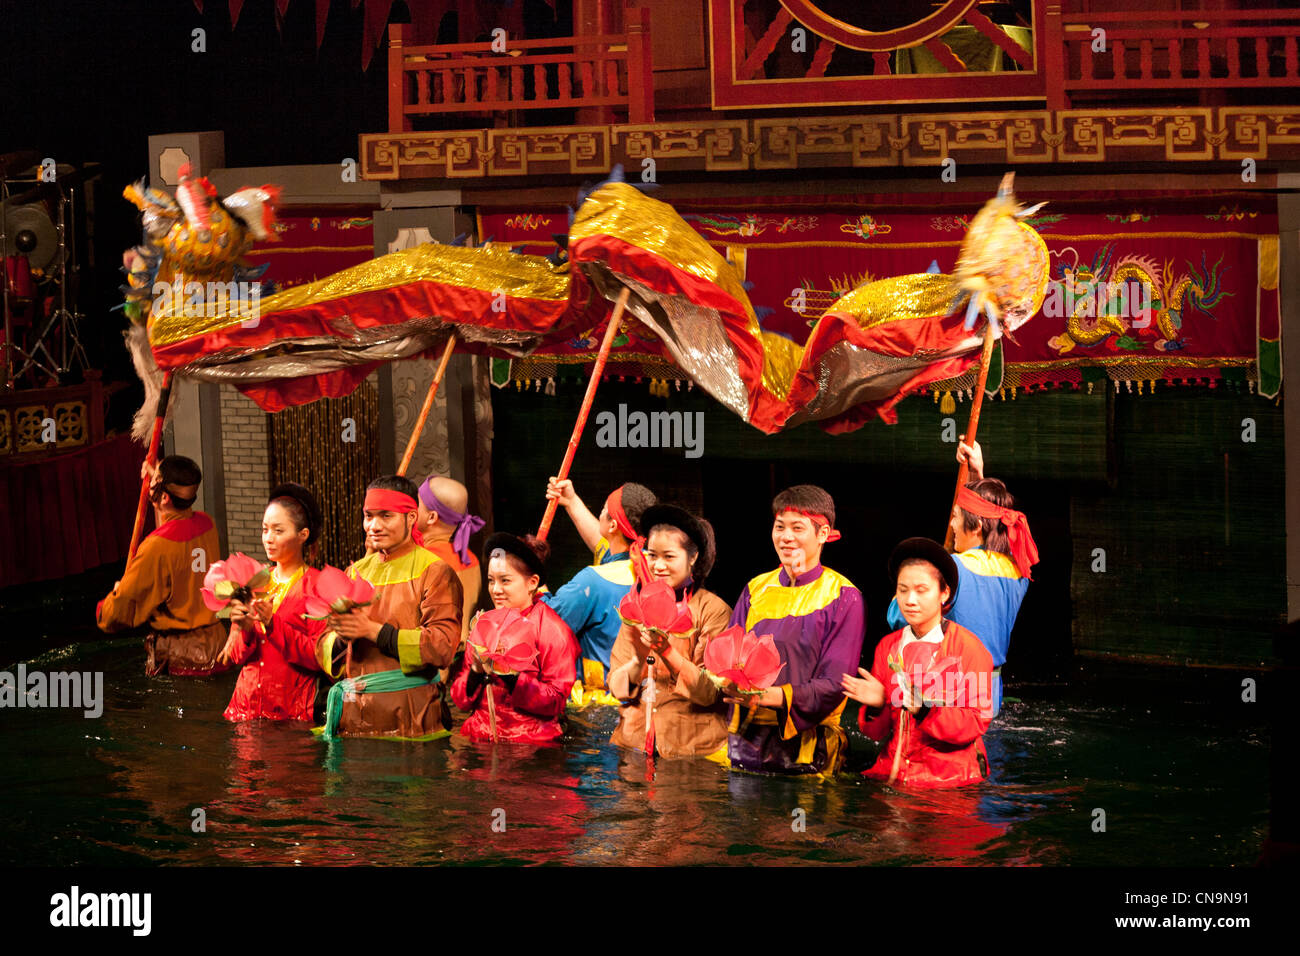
817 519
1023 549
614 505
382 499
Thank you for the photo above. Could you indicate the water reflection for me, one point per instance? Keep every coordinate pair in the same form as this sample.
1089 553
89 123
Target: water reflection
124 789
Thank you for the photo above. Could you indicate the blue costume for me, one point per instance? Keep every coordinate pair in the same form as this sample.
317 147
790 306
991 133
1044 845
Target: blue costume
604 556
989 591
589 605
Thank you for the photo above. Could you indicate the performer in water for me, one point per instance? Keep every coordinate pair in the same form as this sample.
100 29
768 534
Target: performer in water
815 617
589 602
446 526
928 690
271 640
994 552
409 630
680 712
529 703
160 586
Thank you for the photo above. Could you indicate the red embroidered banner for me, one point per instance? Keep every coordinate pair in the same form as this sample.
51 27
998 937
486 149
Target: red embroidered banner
315 243
1149 288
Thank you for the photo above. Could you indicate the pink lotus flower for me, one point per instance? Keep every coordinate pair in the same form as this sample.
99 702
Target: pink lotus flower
943 676
336 593
502 641
738 655
657 609
234 579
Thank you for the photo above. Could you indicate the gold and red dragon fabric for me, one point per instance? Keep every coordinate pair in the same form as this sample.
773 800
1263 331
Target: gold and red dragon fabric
688 305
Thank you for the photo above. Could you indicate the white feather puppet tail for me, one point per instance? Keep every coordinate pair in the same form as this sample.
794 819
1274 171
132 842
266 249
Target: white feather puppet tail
137 343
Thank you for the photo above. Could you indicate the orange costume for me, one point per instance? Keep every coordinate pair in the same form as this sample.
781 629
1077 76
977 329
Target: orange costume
420 597
471 575
160 587
449 540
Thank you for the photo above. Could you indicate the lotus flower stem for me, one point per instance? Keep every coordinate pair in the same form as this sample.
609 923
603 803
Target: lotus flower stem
973 424
898 750
137 532
748 717
492 708
597 370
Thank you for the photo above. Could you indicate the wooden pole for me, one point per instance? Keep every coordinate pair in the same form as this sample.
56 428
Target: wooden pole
601 357
973 425
898 746
151 458
428 406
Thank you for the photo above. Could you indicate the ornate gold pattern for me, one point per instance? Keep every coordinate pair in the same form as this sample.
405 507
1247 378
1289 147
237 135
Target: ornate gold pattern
70 423
713 146
1229 133
29 423
6 433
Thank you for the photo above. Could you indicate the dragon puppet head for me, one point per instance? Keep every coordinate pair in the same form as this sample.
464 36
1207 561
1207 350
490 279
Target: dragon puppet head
195 238
196 198
254 206
1002 266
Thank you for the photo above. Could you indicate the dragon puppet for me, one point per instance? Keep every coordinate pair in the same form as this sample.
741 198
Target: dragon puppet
686 305
190 243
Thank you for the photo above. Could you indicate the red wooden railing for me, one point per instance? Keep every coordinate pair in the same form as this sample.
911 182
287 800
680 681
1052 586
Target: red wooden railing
613 70
1158 49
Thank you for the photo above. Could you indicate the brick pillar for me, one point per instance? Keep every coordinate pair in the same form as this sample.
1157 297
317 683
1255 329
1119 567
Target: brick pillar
247 470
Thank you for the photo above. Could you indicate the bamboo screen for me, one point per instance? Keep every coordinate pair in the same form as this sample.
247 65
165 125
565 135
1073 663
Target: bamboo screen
332 447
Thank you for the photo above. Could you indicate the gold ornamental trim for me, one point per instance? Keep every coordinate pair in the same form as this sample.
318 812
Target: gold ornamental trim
1033 137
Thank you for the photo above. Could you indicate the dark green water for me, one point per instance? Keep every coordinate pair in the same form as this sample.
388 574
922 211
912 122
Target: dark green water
1180 774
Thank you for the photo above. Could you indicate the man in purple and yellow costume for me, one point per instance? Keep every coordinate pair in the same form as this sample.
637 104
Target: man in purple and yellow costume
816 619
386 654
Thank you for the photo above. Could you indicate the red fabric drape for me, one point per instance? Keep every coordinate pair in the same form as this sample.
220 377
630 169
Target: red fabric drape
66 514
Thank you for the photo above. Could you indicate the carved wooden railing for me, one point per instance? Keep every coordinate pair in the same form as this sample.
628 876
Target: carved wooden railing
1139 50
42 421
564 73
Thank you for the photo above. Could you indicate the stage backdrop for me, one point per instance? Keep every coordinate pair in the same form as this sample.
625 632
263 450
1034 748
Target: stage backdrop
1145 287
314 242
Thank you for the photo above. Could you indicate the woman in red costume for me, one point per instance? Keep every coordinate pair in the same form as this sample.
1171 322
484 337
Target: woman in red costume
530 703
271 640
928 694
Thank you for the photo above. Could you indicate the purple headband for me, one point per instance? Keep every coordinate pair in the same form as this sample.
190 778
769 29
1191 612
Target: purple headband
465 525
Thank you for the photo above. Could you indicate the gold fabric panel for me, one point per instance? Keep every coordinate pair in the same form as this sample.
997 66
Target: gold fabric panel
485 270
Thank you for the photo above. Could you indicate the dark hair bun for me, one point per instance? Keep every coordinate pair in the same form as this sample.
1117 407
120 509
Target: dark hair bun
307 514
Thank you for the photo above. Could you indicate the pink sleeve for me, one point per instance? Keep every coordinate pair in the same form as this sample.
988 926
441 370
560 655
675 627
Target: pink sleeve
244 647
546 692
297 642
880 727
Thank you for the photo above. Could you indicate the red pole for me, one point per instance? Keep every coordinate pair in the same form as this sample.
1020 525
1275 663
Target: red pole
397 119
152 459
974 424
428 405
606 344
